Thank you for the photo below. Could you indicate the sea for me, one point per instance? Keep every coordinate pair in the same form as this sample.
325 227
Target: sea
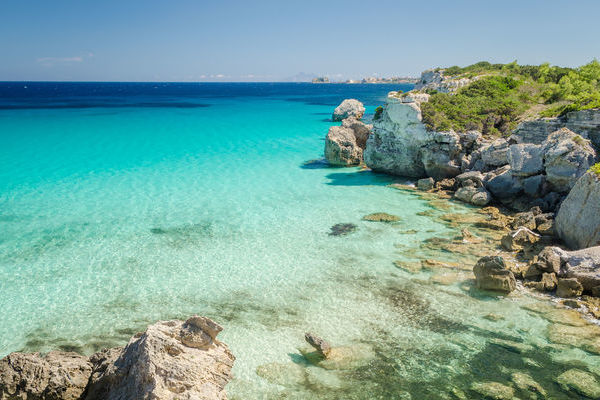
122 204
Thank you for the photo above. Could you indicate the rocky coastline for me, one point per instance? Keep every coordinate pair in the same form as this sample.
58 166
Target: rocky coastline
539 181
170 360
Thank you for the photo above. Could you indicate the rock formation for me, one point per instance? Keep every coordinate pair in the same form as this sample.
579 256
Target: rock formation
348 108
491 274
578 219
344 145
170 360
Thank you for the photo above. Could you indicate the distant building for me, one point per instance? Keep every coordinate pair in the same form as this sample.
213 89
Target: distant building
321 79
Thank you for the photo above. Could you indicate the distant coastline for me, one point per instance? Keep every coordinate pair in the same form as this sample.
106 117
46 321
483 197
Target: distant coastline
392 80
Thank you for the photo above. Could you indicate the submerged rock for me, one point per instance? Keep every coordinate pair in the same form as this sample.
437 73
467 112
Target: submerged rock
381 217
425 184
580 382
578 219
493 390
526 383
348 108
491 274
342 229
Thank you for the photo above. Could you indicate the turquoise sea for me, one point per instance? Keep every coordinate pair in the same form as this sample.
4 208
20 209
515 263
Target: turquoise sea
124 204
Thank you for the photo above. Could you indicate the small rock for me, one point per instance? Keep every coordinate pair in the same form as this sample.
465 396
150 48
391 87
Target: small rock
323 347
491 274
381 217
348 108
425 184
525 382
569 287
526 219
519 239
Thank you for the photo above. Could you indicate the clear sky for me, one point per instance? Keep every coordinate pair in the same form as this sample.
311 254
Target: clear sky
237 40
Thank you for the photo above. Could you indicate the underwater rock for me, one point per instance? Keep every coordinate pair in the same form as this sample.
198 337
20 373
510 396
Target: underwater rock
493 390
569 287
586 336
57 375
284 374
491 274
348 108
414 267
526 383
580 382
381 217
510 345
342 229
323 347
347 357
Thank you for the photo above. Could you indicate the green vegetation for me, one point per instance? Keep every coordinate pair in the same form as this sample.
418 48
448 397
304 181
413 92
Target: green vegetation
596 169
378 112
504 94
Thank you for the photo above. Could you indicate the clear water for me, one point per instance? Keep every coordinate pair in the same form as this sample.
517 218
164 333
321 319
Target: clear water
123 204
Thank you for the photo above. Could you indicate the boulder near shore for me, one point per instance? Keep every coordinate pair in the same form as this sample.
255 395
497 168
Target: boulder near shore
170 360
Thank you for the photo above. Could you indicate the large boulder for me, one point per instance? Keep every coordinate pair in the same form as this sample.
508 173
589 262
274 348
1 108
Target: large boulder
525 159
170 360
578 220
57 375
344 145
495 154
348 108
491 274
567 156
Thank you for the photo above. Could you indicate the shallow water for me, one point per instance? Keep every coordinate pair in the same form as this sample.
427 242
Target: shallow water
123 205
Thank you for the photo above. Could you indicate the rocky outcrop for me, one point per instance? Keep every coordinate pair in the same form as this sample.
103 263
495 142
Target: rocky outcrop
57 375
491 274
401 145
170 360
434 79
578 219
348 108
585 123
344 145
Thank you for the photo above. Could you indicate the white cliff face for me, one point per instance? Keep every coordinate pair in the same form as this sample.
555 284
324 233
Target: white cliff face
401 145
398 135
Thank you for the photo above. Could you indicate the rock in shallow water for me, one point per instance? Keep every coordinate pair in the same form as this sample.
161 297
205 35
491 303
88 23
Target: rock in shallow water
580 382
491 274
381 217
342 229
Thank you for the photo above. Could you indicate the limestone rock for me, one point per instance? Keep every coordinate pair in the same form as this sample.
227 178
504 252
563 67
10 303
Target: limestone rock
525 159
476 196
583 265
525 219
569 287
475 177
567 156
527 383
495 154
504 185
58 375
349 108
381 217
550 259
578 219
341 147
519 239
425 184
323 347
170 360
580 382
491 274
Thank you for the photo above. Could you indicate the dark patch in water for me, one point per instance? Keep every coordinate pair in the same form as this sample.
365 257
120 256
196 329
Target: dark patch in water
342 229
185 235
359 178
320 163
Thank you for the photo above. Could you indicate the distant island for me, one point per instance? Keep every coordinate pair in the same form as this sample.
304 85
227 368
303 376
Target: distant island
372 79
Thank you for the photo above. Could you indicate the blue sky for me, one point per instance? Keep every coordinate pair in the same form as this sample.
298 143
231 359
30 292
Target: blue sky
184 40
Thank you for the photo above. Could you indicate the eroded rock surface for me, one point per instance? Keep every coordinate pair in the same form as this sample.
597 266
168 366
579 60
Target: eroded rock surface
348 108
491 274
170 360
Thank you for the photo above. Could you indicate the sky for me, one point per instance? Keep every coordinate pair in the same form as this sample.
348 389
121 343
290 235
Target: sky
237 40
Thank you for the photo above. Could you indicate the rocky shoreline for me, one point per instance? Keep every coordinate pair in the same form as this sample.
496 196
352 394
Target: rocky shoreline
541 176
170 360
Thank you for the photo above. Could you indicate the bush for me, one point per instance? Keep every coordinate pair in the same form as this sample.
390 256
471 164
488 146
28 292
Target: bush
378 112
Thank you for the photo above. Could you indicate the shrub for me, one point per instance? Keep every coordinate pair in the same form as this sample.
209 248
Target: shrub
596 169
378 112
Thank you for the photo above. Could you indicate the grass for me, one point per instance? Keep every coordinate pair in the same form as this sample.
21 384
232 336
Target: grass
596 169
504 94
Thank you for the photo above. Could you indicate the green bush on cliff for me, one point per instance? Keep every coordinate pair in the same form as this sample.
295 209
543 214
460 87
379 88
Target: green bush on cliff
596 169
378 112
503 94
